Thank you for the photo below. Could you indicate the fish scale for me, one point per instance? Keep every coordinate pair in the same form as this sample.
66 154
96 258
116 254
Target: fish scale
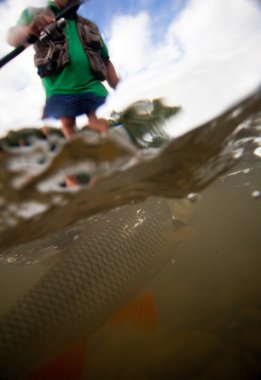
113 256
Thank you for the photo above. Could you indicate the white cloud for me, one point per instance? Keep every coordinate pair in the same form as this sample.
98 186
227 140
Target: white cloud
209 57
131 44
132 48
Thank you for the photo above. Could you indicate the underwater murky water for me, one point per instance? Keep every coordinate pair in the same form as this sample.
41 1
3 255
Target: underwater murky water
208 299
201 317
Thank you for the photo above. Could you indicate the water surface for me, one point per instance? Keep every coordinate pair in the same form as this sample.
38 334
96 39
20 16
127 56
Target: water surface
207 296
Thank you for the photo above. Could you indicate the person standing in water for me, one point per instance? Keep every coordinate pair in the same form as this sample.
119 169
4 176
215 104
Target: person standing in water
72 62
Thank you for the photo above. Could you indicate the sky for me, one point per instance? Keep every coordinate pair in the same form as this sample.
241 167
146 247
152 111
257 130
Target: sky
201 54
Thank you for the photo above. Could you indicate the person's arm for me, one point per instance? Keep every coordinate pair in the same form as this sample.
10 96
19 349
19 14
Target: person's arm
112 77
18 34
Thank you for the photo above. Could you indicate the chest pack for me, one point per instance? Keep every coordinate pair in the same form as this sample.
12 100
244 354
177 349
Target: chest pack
51 54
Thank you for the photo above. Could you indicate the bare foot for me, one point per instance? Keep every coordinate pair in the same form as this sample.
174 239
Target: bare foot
98 124
71 180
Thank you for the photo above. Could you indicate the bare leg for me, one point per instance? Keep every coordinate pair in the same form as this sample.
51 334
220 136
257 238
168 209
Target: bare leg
68 129
68 126
45 130
100 124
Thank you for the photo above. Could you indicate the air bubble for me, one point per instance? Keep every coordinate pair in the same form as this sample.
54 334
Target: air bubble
193 197
256 194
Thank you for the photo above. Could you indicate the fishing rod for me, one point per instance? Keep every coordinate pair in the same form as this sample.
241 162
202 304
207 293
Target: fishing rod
31 39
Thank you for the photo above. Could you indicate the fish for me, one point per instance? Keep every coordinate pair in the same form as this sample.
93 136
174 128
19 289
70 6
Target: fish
100 264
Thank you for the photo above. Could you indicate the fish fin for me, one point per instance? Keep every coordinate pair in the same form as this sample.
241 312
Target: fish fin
180 232
68 365
141 312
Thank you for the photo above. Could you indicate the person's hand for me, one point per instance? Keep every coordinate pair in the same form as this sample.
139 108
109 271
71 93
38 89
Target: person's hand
40 22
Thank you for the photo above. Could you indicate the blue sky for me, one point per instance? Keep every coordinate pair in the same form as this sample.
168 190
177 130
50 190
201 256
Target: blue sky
201 54
161 12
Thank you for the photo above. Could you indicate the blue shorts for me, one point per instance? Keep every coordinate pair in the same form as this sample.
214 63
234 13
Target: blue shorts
72 105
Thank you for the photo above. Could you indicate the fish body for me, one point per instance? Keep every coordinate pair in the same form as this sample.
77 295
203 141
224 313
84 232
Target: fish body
102 262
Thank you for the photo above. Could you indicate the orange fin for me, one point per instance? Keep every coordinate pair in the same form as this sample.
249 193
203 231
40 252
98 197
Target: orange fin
141 311
68 365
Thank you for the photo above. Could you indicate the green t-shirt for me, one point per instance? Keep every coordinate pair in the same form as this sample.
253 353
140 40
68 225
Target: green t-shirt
76 77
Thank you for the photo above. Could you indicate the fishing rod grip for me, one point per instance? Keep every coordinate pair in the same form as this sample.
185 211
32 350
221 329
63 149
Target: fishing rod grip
31 39
14 53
